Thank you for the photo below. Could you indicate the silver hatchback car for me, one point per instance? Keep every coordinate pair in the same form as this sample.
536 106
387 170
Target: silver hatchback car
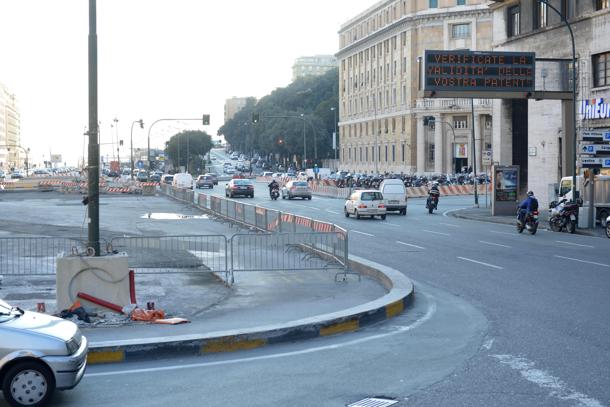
38 354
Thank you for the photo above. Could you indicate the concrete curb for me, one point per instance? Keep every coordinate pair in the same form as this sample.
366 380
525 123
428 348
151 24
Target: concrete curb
400 295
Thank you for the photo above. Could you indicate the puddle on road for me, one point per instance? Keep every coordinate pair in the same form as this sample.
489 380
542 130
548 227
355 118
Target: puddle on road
171 216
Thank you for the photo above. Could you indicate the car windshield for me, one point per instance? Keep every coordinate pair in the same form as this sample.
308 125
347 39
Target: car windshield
300 184
242 182
394 189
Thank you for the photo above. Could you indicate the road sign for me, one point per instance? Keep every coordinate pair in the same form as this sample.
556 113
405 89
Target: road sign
596 135
140 164
487 157
597 162
316 170
599 149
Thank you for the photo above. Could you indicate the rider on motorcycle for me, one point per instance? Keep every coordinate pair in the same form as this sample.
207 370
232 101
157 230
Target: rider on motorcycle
273 185
527 206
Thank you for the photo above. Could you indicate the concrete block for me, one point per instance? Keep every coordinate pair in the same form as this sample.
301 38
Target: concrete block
105 277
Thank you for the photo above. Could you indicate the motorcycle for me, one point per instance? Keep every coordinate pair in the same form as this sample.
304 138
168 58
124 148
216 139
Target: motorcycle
608 227
432 201
275 193
530 222
564 215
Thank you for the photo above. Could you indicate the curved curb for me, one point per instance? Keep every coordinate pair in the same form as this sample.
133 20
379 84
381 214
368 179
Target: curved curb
400 295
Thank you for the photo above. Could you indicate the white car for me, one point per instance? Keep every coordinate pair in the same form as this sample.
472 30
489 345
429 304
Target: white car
366 202
38 354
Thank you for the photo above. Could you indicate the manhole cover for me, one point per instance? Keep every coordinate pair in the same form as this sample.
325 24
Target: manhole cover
373 402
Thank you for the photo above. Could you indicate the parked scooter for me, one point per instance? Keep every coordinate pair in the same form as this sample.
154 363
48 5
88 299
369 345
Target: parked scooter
275 193
432 201
564 215
530 222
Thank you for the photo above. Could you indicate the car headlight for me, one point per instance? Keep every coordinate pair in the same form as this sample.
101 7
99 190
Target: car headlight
73 344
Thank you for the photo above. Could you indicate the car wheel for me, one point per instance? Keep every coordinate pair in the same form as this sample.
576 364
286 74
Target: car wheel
382 217
357 214
309 198
603 215
346 212
28 384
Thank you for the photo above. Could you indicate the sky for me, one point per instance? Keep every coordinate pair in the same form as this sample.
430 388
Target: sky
156 59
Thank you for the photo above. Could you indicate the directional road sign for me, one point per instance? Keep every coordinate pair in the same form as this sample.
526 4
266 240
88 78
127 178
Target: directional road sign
596 135
597 162
140 164
599 149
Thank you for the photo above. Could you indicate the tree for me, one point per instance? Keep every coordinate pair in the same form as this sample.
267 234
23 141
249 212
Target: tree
195 143
311 96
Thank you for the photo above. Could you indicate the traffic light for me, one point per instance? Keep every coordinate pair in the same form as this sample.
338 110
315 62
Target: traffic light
255 117
141 123
206 119
120 142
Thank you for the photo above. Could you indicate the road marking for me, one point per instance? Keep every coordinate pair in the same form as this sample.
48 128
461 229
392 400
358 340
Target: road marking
488 344
392 224
558 388
449 224
436 233
399 329
447 212
502 233
575 244
362 233
480 262
329 211
494 244
583 261
411 245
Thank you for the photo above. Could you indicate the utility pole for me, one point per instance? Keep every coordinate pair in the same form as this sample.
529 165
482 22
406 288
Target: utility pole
474 157
93 170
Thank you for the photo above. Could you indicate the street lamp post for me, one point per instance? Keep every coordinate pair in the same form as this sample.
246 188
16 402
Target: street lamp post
574 142
304 144
375 124
165 120
116 131
131 142
300 117
474 156
93 168
336 145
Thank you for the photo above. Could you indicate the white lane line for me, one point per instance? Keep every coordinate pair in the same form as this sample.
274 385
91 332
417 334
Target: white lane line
411 245
329 211
481 263
449 224
501 233
583 261
557 387
575 244
436 233
447 212
488 344
362 233
494 244
399 329
392 224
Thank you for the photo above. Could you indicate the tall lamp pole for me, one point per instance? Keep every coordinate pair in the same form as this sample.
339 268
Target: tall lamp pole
131 142
118 151
474 156
336 145
93 170
574 142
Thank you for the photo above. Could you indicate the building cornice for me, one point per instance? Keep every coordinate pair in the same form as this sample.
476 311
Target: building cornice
413 21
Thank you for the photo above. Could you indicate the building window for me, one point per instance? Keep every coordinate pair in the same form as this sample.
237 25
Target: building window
514 21
386 154
601 69
433 3
393 153
460 122
602 4
540 14
567 8
460 30
461 2
403 153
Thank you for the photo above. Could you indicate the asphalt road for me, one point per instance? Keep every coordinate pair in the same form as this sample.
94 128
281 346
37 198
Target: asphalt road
500 319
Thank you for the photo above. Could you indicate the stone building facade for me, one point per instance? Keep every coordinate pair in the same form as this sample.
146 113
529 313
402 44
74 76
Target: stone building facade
234 105
538 134
313 66
386 125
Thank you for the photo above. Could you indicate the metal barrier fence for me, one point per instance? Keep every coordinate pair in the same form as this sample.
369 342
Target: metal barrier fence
165 254
35 255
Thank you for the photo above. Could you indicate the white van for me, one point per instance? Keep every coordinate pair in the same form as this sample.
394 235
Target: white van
394 195
183 180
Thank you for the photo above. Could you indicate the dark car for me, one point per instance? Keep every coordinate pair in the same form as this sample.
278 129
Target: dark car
214 177
142 176
155 178
167 179
204 181
239 187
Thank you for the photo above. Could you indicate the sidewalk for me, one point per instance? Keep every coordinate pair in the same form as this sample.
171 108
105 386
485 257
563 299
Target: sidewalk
484 215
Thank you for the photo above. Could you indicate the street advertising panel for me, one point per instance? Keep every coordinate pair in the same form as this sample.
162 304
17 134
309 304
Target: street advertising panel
505 189
56 158
480 72
461 150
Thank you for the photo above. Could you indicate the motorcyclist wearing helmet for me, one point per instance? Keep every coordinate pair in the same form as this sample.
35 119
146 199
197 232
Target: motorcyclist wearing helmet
527 206
272 185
